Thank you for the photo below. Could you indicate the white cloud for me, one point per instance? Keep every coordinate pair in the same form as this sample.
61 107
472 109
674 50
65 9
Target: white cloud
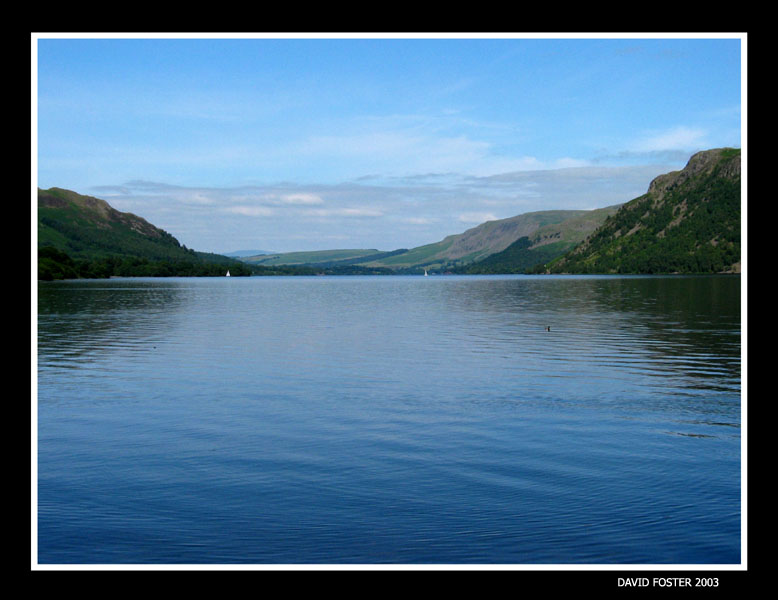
411 145
678 138
196 198
250 211
476 217
258 196
301 198
381 212
569 163
416 220
343 212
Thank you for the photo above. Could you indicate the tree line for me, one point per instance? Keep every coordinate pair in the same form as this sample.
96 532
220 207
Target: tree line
56 264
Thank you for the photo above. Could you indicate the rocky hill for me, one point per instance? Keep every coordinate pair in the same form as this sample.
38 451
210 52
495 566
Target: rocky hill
687 222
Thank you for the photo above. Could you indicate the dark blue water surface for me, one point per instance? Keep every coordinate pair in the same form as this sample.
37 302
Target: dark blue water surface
399 420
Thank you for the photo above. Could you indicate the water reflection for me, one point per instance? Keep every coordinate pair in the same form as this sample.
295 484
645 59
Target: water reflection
390 419
83 320
538 329
689 325
669 345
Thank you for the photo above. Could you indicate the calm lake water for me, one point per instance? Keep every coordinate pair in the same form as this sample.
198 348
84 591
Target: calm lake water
399 420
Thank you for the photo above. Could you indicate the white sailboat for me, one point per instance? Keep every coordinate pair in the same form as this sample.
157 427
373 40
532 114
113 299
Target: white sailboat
425 273
228 273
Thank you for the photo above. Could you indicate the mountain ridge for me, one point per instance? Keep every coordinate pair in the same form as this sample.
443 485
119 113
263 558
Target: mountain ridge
688 221
544 244
476 243
456 250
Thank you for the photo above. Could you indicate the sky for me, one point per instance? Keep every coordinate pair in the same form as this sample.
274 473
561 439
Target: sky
290 143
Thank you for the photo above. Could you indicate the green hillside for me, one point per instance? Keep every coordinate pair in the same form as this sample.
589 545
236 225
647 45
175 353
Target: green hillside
545 244
455 250
428 254
520 257
491 247
478 242
687 222
313 257
83 236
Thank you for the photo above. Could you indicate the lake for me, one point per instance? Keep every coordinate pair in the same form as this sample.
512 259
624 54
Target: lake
449 420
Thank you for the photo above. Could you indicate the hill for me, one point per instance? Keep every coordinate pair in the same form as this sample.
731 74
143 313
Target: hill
83 236
554 230
543 245
313 257
687 222
478 242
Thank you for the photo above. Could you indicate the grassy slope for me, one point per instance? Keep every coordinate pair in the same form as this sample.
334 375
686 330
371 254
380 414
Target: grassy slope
478 242
545 244
475 244
307 258
87 227
83 236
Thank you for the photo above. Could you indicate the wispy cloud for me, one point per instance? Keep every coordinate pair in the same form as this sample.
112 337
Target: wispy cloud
342 212
476 217
377 212
677 138
404 145
416 220
384 212
301 198
250 211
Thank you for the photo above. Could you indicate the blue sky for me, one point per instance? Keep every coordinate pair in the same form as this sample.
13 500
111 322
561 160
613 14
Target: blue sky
363 142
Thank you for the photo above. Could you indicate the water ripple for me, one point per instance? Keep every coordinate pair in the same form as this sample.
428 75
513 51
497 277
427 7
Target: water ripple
398 419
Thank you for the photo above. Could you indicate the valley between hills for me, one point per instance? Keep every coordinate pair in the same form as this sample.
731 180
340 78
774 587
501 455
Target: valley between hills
688 221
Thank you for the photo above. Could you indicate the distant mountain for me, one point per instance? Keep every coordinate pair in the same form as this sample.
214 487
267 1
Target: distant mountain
477 242
83 236
555 231
313 257
544 244
687 222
